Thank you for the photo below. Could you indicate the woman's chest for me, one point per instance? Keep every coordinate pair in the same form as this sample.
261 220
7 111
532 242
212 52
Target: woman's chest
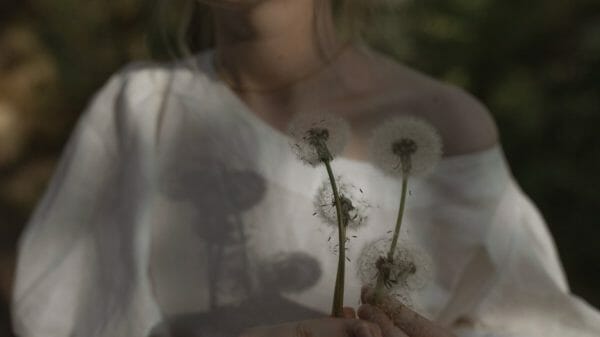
235 220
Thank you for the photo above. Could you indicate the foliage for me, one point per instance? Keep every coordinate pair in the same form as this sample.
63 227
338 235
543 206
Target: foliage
535 64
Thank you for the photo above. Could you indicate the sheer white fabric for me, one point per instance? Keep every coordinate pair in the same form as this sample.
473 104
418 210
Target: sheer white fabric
176 211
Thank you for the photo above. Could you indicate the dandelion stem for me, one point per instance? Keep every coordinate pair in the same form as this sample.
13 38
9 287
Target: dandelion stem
338 295
400 216
378 292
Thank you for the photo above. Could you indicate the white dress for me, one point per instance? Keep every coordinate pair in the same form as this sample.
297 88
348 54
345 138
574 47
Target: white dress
176 210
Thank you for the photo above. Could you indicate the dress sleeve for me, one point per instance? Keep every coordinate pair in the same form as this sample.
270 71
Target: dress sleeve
528 294
67 282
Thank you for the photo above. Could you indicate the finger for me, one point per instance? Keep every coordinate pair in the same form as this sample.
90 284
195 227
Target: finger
416 325
372 314
360 328
349 312
366 295
407 320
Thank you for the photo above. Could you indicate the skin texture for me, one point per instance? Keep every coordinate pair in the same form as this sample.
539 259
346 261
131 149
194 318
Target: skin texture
267 48
326 327
282 59
395 319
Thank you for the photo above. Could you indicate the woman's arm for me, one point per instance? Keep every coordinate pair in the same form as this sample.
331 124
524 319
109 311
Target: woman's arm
55 250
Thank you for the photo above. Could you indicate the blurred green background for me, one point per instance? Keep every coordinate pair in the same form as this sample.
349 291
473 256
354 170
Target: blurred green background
535 64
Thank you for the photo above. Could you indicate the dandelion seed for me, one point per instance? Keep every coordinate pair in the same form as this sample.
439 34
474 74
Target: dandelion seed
408 269
318 137
406 146
354 205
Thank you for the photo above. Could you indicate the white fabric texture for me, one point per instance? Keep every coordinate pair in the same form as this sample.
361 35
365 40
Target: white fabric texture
176 211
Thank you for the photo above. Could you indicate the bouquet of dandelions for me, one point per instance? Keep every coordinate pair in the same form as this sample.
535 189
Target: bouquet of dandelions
404 147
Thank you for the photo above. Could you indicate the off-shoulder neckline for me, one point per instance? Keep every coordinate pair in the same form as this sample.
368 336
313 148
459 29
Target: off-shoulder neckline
206 63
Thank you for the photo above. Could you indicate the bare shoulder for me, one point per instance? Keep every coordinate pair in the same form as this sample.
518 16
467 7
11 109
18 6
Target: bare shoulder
464 123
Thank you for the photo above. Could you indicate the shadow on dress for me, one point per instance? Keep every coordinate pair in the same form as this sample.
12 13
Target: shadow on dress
217 182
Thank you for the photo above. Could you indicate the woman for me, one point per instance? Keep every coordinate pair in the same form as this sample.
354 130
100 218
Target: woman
178 208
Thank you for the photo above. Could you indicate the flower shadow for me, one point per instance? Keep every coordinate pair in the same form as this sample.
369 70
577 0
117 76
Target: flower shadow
208 280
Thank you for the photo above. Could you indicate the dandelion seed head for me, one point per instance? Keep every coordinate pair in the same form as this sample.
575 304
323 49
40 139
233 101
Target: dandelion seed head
405 146
318 136
391 302
355 207
409 269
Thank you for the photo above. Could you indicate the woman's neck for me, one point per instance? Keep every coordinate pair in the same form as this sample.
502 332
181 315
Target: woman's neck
274 43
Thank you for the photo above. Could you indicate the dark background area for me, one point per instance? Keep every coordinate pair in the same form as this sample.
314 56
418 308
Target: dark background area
535 64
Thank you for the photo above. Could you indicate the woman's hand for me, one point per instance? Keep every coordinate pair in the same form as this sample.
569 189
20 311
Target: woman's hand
395 319
326 327
348 326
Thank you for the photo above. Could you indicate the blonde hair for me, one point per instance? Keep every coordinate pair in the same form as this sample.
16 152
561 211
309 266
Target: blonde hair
186 26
